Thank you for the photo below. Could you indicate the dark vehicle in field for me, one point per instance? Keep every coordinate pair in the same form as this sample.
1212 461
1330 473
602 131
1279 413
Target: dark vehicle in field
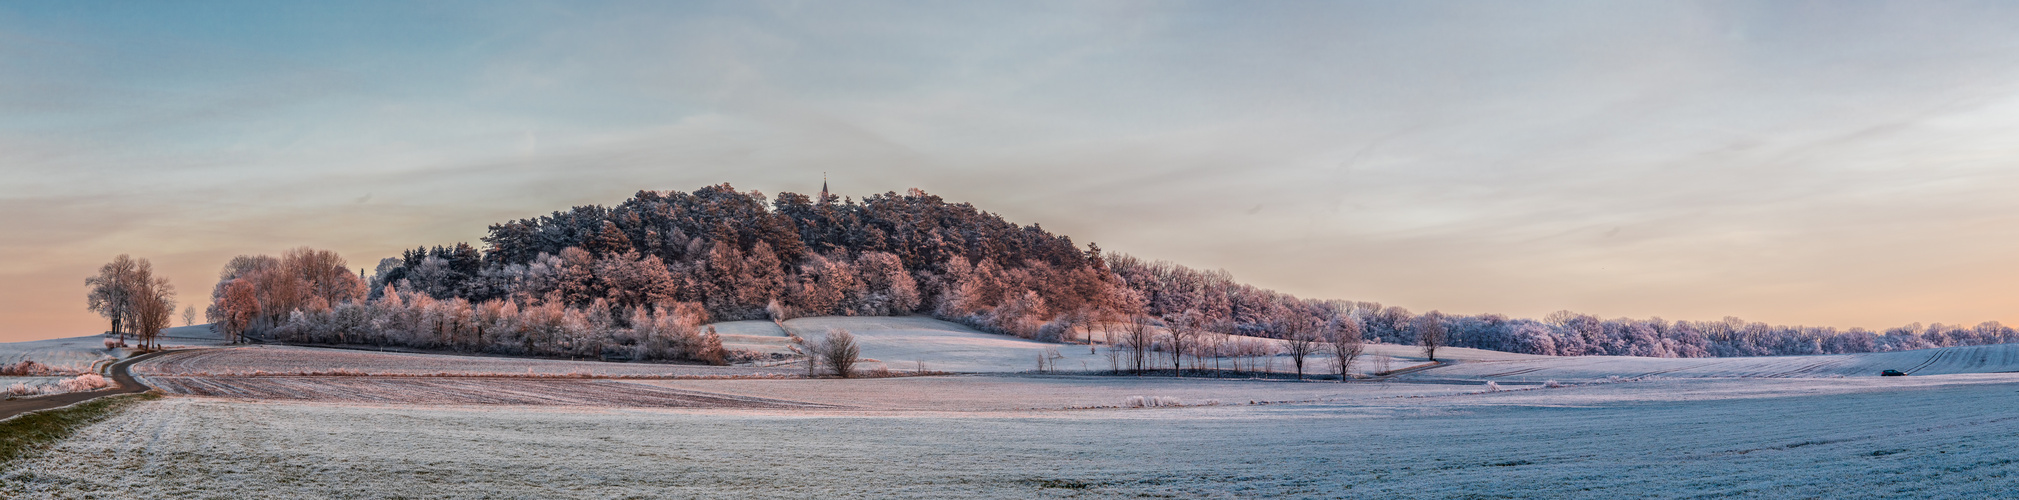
1892 373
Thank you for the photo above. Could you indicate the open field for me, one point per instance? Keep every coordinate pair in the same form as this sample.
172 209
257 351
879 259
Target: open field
459 391
313 422
1935 441
900 343
74 355
87 353
758 336
1947 360
267 360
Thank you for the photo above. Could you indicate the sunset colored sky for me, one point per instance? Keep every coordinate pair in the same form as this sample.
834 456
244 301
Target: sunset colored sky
1805 163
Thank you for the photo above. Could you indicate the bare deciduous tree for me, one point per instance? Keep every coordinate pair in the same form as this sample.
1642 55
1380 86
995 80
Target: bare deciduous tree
188 315
1347 338
1137 337
154 305
109 293
840 352
1184 329
1300 339
1430 333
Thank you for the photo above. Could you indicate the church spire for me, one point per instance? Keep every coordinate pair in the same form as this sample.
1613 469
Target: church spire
823 188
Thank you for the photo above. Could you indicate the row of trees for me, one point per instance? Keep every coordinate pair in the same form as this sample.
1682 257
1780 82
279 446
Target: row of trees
310 296
1139 343
136 302
258 293
1167 290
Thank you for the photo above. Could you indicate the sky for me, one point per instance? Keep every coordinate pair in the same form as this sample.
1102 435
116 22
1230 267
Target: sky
1847 164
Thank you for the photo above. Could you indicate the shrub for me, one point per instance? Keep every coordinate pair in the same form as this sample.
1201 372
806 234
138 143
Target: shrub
85 382
839 351
1151 401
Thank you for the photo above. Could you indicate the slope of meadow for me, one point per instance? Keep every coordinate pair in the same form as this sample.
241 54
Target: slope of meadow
901 343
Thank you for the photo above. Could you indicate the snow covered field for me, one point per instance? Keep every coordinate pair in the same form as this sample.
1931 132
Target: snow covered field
266 360
900 343
1947 360
1938 440
75 355
460 391
758 336
312 422
88 353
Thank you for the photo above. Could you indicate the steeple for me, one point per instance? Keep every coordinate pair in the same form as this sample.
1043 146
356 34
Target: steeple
823 189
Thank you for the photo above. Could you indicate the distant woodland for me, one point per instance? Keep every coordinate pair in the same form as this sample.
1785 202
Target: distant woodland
637 281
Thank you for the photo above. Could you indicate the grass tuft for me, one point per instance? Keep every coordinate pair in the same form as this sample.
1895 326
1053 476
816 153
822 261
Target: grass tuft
28 432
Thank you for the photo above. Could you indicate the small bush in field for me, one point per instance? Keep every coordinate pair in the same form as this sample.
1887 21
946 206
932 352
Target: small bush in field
1151 402
840 353
85 382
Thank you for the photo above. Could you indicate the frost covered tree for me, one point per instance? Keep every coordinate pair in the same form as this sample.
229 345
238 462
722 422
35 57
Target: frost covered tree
1138 336
1430 332
839 352
153 305
110 291
127 292
1300 339
1184 329
1344 335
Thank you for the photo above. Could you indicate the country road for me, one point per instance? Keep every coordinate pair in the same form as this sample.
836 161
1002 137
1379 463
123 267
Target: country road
124 384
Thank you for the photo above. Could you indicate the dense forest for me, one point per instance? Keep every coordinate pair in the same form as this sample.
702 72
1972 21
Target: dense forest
638 280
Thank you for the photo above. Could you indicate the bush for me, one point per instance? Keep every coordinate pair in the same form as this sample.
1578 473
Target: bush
840 352
1151 401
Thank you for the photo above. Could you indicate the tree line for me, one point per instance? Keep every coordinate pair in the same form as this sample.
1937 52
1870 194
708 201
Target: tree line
1167 289
638 279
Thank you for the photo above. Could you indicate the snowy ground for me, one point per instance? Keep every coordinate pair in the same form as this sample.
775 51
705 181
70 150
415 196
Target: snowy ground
247 422
900 343
88 353
757 336
1937 440
266 360
1947 360
76 354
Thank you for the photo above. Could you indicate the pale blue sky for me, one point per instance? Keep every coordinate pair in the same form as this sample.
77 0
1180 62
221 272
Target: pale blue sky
1842 163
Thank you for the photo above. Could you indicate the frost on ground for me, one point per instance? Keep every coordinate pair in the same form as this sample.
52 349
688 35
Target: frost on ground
76 355
460 391
283 360
756 336
36 386
1942 361
1934 441
986 393
69 356
901 343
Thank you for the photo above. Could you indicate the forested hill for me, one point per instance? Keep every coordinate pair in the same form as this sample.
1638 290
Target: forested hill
742 256
586 279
